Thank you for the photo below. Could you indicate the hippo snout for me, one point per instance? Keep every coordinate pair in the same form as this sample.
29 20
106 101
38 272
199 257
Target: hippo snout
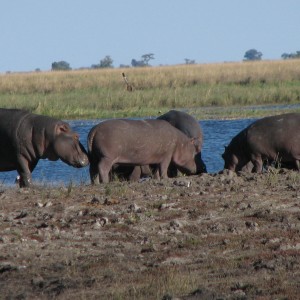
81 162
84 161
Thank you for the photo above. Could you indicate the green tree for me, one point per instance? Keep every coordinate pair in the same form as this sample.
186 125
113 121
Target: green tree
252 54
144 62
189 61
60 66
106 62
291 55
147 57
137 63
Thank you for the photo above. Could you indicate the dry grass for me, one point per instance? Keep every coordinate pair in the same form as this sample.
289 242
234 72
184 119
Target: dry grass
102 93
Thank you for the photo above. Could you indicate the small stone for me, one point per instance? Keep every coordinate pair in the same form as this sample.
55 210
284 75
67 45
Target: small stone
82 213
103 221
48 204
108 201
4 239
185 183
251 225
166 205
95 201
21 215
151 248
134 208
97 225
38 281
7 267
176 224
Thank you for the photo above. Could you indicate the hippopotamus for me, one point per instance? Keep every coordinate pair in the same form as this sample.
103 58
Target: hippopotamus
138 143
27 137
186 124
274 138
190 127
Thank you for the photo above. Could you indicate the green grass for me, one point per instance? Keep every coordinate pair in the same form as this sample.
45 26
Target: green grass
102 93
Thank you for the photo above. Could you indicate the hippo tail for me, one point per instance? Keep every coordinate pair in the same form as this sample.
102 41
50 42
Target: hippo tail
90 141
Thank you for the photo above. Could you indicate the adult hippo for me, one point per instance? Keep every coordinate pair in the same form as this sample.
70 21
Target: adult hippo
274 138
191 128
186 124
26 138
139 143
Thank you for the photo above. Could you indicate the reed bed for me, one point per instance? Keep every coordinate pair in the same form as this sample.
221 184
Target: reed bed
102 93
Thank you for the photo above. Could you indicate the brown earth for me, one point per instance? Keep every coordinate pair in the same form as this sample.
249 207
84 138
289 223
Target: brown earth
214 236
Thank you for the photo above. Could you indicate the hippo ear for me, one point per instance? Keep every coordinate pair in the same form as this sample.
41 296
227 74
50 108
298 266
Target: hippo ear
62 128
193 140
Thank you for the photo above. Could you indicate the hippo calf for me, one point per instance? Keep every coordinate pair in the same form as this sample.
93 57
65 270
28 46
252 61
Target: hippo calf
140 143
26 138
275 138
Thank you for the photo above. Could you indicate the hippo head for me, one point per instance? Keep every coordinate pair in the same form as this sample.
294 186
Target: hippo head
232 160
67 147
185 158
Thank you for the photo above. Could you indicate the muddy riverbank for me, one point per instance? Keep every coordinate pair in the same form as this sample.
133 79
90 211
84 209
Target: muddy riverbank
214 236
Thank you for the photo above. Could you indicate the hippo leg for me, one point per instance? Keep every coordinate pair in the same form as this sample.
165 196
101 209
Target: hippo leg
297 164
135 174
24 169
25 179
147 171
156 174
94 174
163 168
258 164
104 167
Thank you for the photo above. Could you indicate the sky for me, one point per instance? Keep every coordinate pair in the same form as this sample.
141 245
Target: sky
36 33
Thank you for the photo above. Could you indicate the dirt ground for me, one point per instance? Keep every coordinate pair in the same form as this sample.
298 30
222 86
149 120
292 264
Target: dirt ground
213 236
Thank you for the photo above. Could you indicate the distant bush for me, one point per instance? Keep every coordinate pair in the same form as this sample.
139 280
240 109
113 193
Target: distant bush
60 66
291 55
106 62
253 54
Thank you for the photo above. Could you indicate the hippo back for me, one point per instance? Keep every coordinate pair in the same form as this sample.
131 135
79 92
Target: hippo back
185 123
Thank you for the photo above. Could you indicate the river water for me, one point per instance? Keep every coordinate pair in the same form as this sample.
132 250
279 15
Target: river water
217 134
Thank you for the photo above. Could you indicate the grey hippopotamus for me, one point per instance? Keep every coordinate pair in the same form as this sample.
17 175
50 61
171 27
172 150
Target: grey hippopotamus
27 137
269 139
186 124
140 143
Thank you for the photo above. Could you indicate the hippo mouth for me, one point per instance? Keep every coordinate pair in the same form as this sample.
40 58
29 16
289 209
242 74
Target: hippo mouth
83 162
186 171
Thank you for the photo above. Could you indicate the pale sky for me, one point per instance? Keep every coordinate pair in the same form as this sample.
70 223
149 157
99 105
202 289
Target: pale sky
35 33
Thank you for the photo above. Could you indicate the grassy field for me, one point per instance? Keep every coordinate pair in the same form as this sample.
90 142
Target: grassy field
206 90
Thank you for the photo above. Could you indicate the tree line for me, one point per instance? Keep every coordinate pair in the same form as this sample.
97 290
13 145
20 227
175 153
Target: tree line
107 61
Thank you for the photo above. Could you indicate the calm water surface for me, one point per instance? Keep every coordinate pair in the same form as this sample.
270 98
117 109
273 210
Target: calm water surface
217 134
